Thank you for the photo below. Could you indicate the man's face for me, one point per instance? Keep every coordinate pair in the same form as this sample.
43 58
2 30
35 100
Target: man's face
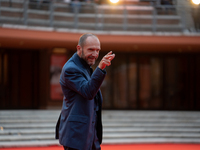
90 51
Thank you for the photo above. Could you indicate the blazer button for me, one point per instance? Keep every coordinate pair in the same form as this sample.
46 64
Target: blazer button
94 108
92 121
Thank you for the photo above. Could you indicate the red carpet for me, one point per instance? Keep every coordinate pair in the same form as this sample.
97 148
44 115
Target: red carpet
124 147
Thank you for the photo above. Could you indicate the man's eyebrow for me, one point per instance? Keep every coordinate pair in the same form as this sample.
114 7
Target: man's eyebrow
93 48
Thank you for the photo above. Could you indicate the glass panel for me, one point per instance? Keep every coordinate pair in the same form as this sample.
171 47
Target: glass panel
0 68
106 87
144 82
5 69
171 83
197 83
132 82
156 83
57 62
120 84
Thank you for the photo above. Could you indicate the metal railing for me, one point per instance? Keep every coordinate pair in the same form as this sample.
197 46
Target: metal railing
91 16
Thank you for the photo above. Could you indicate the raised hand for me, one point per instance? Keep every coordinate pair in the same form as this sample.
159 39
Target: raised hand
106 60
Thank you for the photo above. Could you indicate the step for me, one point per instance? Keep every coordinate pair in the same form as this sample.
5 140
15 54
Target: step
150 140
105 130
33 137
106 124
28 143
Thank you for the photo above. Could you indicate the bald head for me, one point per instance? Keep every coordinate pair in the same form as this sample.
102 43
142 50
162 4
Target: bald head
82 39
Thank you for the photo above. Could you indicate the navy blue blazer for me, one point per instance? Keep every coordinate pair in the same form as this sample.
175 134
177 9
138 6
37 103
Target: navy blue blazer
74 128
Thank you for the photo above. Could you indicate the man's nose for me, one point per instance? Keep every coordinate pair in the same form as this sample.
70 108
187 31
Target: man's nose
95 54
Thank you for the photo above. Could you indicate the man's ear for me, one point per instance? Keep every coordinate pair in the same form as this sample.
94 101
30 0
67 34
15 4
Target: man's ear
78 47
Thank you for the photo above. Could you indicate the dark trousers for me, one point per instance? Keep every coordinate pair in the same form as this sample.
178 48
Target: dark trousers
68 148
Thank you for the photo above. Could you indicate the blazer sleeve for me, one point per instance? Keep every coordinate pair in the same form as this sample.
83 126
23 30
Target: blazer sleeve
76 79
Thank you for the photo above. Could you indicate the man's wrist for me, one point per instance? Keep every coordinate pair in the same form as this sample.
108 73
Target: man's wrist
103 70
101 67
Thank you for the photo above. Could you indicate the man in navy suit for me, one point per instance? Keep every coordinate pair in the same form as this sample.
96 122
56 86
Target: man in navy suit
79 126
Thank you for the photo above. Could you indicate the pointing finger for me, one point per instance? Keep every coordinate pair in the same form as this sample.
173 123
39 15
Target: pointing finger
109 53
111 57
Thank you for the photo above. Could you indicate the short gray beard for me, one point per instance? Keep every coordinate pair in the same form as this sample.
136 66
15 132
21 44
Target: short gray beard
84 58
